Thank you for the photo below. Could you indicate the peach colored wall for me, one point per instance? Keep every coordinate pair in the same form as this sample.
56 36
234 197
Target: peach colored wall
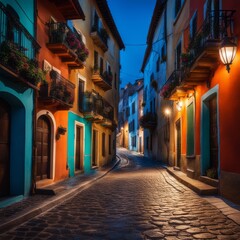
46 9
61 147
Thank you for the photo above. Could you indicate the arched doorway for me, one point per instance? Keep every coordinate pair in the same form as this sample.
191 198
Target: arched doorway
43 160
4 148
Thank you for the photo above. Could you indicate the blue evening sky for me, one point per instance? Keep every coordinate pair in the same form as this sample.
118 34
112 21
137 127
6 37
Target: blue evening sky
132 18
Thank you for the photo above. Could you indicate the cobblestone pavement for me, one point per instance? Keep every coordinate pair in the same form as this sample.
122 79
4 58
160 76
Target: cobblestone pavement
138 200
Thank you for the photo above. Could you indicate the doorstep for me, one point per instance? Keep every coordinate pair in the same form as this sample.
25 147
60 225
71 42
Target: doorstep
197 186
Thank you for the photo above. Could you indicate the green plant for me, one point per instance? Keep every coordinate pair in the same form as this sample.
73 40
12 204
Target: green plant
12 56
212 173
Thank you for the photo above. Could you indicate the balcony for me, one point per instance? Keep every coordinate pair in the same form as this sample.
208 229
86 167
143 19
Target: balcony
175 88
18 50
67 45
96 109
148 121
203 50
202 58
58 93
100 37
104 81
70 9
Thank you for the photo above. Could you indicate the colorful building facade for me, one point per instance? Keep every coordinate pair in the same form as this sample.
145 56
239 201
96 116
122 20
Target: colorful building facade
201 93
18 87
59 84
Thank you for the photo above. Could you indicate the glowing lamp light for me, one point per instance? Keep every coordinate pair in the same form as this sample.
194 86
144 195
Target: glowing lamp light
227 52
167 111
179 105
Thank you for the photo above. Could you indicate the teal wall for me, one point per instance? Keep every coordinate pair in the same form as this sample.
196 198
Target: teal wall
25 12
72 118
21 104
205 130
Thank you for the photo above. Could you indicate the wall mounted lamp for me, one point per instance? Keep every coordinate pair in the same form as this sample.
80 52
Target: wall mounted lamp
60 131
179 105
167 112
227 52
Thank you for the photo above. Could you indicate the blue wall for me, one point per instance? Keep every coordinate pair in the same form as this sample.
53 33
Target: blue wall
25 12
21 137
72 118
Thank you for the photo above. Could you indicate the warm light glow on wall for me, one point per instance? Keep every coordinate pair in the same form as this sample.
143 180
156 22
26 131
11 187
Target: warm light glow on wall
167 112
179 105
227 52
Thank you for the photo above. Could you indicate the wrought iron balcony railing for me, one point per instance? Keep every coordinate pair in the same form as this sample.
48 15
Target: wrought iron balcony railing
148 120
67 44
100 37
95 108
202 56
18 49
171 84
216 26
59 92
103 80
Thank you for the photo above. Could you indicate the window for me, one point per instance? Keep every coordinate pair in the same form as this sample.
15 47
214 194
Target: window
95 22
133 107
131 126
190 130
178 55
95 60
101 65
133 141
103 144
193 26
163 54
111 46
81 89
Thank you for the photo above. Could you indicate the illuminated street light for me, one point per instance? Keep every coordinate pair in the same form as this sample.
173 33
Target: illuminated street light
227 52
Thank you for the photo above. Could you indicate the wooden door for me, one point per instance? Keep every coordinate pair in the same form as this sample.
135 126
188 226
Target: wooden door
4 149
213 133
79 149
178 129
43 148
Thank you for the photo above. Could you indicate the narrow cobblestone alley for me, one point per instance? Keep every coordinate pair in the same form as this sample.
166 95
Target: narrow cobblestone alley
137 200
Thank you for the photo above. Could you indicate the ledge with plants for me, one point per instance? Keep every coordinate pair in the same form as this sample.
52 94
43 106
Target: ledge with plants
62 39
14 59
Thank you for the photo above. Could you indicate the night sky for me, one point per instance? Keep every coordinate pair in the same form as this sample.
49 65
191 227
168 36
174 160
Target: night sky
132 18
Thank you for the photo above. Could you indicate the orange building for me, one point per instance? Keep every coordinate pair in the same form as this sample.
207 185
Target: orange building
204 120
56 96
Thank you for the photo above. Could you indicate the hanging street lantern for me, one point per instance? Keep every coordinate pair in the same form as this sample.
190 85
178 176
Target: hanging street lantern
227 52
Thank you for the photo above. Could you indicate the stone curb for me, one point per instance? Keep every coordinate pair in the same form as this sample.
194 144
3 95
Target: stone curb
54 202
